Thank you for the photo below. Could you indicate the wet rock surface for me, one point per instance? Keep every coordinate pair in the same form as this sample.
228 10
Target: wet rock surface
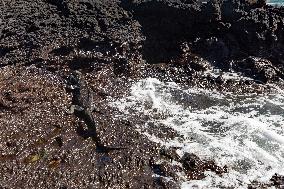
112 42
276 181
260 69
195 167
45 146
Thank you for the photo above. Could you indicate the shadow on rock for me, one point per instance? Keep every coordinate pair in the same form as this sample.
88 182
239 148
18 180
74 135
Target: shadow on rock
164 27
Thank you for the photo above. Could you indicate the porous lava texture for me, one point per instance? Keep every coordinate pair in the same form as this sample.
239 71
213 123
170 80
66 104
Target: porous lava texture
113 42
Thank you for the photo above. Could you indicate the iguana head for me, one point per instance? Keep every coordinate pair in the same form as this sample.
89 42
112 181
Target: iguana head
73 79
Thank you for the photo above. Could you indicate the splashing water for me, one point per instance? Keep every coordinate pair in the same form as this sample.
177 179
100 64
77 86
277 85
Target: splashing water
246 132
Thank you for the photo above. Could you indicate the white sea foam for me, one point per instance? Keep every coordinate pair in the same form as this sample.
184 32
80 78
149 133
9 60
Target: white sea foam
246 132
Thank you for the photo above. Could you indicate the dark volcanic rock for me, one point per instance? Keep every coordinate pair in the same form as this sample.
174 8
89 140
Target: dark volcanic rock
213 49
48 29
121 67
218 30
164 24
259 69
109 41
276 181
195 167
169 153
83 34
42 142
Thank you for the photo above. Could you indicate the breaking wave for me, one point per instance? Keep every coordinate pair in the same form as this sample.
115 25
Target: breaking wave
244 132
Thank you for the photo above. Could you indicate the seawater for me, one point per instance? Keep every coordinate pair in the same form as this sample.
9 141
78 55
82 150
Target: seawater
244 132
276 2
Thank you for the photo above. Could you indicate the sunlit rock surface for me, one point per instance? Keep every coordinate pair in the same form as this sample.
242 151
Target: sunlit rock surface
231 47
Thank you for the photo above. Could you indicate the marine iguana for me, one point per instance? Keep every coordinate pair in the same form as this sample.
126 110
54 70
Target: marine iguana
82 106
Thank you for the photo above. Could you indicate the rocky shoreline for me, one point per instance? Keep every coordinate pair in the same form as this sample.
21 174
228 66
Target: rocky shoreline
234 46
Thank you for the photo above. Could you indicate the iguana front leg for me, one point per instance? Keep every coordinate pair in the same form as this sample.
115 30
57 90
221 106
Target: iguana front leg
74 108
